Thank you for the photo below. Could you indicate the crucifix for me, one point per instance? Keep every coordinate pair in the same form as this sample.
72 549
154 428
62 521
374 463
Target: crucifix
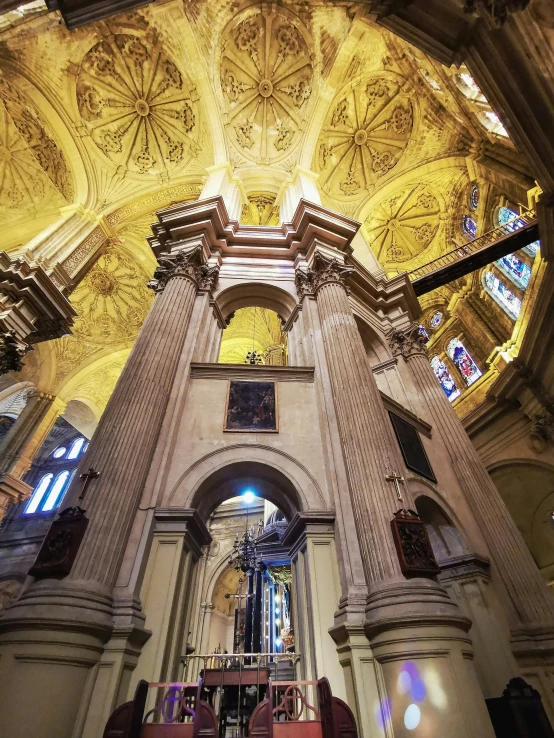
87 476
397 479
240 597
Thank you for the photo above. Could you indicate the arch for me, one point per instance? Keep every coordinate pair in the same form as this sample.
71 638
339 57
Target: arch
226 472
374 346
501 294
256 294
445 537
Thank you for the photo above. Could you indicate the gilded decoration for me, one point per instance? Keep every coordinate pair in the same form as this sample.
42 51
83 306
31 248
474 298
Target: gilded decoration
33 168
404 225
366 131
260 211
140 110
254 329
112 300
267 78
99 384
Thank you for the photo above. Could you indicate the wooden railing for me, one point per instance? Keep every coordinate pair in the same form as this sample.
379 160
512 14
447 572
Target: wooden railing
504 239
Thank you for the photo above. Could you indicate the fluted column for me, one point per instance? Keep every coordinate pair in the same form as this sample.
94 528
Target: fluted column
529 595
370 450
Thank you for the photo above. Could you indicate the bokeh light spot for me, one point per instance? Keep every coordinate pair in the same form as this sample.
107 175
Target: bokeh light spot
404 682
412 716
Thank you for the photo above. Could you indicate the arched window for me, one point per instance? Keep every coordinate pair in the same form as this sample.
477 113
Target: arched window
508 217
445 378
39 493
460 356
502 295
518 271
474 197
423 333
76 447
59 452
55 494
436 320
469 226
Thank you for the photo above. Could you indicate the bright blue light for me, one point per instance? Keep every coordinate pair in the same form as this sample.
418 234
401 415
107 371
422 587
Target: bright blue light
278 641
248 496
277 611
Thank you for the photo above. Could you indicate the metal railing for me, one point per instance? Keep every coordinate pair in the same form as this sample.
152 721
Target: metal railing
239 661
526 219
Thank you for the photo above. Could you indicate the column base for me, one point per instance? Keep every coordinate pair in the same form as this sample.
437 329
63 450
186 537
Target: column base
424 662
533 649
12 490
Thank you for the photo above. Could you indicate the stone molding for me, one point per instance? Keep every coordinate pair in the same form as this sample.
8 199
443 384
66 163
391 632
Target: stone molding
407 342
421 425
187 264
185 522
260 372
497 11
315 521
324 271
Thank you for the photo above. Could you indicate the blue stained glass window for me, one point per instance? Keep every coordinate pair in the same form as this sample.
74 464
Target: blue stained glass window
533 248
445 378
518 271
503 296
423 333
436 320
469 226
39 493
76 447
474 197
460 356
509 218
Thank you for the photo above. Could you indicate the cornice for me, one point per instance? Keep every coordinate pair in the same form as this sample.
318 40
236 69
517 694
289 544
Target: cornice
260 372
421 425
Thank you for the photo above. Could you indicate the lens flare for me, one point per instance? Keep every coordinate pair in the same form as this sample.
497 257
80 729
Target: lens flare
383 714
412 716
404 682
437 695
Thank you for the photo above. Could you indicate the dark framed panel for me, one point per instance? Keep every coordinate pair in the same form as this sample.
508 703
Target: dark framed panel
251 407
412 449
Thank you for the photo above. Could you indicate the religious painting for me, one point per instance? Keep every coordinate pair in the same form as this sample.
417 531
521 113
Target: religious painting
251 407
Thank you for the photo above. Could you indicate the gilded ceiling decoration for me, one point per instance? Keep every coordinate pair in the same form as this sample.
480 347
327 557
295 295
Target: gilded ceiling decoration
255 329
260 211
366 131
112 300
267 76
141 111
32 166
404 225
99 384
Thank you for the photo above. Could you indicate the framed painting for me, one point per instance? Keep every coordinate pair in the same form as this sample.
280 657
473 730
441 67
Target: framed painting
251 407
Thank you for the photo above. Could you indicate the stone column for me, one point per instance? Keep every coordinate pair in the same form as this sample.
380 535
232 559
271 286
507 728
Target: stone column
408 622
121 450
21 444
530 599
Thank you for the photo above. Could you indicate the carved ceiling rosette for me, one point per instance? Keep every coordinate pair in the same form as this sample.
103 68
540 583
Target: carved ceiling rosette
140 110
366 131
32 165
267 78
403 226
112 300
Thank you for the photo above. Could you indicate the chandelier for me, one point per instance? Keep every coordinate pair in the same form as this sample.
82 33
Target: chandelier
254 357
244 553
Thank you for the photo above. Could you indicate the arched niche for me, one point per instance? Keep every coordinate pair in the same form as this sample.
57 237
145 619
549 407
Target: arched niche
374 347
256 294
527 488
445 537
228 472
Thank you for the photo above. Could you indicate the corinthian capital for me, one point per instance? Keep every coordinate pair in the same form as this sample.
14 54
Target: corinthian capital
407 342
11 352
184 264
324 271
496 11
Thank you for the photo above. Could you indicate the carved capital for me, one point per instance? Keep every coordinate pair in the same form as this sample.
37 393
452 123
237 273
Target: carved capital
11 352
184 264
541 433
323 272
496 11
407 343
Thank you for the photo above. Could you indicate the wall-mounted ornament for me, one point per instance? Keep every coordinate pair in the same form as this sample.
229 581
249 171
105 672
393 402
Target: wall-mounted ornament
366 131
140 109
251 407
267 78
413 546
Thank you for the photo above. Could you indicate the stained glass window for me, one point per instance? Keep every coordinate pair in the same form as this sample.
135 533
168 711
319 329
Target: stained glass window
76 448
533 248
436 320
469 226
460 356
474 197
445 378
59 452
39 493
503 296
505 215
423 333
518 271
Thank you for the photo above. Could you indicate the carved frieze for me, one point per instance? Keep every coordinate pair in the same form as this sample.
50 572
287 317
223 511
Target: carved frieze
260 210
366 131
140 109
267 79
184 264
403 226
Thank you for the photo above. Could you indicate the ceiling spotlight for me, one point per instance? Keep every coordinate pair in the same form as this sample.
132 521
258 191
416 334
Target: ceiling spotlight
248 497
